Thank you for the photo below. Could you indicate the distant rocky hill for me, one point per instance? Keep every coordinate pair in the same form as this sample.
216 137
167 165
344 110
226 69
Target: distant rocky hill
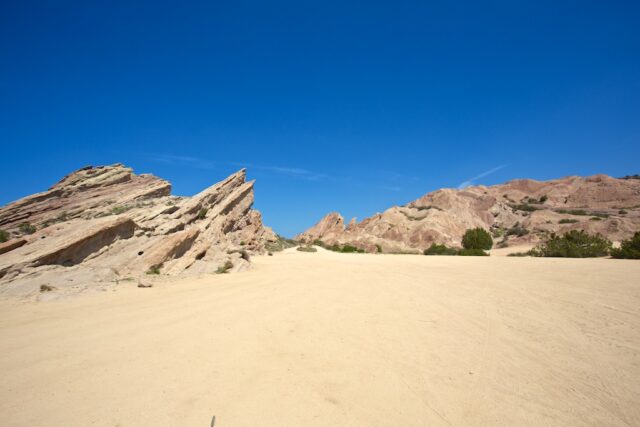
520 211
103 224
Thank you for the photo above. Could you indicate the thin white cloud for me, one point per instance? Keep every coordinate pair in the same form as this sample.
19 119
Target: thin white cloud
471 181
206 164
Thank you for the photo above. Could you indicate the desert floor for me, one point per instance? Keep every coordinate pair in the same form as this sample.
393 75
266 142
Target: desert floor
326 339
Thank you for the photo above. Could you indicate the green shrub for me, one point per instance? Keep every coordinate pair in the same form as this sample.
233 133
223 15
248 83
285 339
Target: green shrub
477 238
517 230
379 248
435 249
225 267
574 244
202 213
472 252
351 249
572 211
622 212
629 249
567 221
306 249
4 236
27 228
543 199
524 207
117 210
595 218
154 269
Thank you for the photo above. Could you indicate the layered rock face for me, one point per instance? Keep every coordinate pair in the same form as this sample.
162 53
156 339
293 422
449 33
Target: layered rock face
518 212
102 224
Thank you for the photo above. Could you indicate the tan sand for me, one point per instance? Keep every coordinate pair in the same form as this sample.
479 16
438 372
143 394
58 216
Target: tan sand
324 339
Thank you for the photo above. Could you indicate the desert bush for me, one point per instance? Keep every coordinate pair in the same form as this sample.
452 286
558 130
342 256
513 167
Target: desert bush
202 213
154 269
572 211
436 249
4 236
117 210
595 218
351 249
636 176
46 288
567 221
543 199
622 212
306 249
27 228
524 207
629 249
379 248
477 238
517 230
472 252
225 267
574 244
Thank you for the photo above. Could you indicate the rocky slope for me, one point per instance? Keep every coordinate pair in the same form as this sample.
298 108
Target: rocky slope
518 212
103 224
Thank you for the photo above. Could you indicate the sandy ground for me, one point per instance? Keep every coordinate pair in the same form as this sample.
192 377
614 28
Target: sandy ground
325 339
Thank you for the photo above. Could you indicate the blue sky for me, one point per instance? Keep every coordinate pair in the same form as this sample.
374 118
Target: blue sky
347 106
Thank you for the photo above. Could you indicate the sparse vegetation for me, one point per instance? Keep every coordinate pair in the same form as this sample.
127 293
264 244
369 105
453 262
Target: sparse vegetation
477 238
629 249
543 199
280 244
228 265
572 211
472 252
306 248
202 213
574 244
347 249
636 176
436 249
622 212
517 230
46 288
525 207
567 221
379 248
595 218
425 208
117 210
27 228
4 236
154 269
242 243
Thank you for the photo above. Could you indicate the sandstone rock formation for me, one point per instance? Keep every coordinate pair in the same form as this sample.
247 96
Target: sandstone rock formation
99 225
520 211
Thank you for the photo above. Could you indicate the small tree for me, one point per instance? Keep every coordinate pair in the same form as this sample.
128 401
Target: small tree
629 249
574 244
436 249
477 238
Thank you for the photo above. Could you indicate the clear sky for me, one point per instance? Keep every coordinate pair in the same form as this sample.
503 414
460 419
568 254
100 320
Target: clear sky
347 106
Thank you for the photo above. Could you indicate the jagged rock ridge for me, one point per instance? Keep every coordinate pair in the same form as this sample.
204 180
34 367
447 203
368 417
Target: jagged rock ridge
101 224
520 211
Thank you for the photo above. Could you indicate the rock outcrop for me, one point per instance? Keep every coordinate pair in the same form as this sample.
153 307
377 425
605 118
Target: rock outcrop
520 211
102 224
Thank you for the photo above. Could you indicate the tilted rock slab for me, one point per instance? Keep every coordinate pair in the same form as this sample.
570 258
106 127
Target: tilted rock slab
102 224
444 215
